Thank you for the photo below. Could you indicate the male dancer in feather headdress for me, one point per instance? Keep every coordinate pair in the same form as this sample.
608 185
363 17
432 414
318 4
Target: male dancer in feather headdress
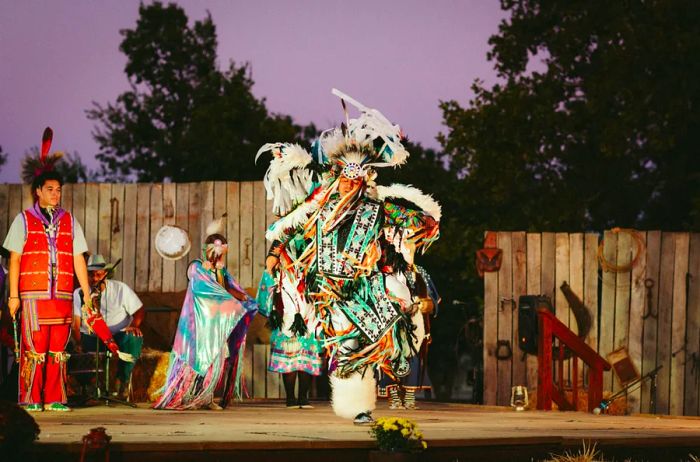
46 245
331 239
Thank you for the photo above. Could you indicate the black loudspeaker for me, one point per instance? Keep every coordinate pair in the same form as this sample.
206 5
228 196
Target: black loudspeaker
527 320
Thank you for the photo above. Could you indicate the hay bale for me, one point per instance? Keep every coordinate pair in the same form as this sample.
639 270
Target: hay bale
149 375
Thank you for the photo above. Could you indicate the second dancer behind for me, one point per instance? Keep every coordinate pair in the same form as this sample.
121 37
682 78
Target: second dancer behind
295 345
210 334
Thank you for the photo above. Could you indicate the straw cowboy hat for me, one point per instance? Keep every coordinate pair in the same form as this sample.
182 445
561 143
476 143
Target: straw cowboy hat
97 262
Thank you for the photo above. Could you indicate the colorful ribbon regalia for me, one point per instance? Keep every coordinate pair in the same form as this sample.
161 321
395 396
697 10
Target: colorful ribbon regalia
336 227
295 341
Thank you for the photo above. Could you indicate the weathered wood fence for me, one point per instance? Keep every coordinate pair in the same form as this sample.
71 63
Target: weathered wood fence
121 221
653 310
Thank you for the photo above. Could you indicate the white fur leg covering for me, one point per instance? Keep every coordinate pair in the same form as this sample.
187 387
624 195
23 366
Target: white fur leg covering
354 395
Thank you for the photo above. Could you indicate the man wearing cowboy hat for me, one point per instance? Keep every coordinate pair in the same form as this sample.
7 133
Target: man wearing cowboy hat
122 311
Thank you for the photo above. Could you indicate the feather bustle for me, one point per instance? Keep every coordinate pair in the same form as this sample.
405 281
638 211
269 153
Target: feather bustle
426 202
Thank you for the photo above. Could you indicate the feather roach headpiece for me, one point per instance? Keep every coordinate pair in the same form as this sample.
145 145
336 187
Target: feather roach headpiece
362 144
33 166
217 226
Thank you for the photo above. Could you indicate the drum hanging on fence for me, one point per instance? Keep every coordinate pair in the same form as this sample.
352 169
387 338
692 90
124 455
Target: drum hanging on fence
172 242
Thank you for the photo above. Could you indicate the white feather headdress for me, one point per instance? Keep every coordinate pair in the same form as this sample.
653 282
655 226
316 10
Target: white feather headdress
216 226
372 125
353 149
371 135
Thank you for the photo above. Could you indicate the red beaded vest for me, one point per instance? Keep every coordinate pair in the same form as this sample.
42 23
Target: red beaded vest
46 266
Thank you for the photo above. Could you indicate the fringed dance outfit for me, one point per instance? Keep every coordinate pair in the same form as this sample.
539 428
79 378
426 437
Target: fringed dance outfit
337 230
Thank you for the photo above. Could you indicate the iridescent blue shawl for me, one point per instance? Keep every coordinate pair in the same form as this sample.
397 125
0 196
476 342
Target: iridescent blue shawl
212 327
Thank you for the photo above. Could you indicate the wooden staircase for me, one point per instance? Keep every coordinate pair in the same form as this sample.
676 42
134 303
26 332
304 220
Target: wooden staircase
550 328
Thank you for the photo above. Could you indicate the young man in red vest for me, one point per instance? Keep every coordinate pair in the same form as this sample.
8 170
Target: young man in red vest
46 246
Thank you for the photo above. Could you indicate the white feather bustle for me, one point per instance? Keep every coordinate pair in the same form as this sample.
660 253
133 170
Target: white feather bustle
354 395
426 202
287 181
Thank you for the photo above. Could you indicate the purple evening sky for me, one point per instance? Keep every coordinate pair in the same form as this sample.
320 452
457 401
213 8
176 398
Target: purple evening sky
400 56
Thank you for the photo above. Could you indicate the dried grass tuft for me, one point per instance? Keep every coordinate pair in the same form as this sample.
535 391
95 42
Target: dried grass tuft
588 453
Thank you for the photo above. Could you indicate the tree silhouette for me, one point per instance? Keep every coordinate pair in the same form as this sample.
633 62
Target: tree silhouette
594 123
183 119
3 158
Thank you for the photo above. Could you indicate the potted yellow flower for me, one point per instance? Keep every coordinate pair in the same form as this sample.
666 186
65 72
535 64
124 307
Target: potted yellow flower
398 440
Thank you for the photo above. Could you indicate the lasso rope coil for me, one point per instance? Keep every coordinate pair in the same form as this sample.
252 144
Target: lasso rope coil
614 268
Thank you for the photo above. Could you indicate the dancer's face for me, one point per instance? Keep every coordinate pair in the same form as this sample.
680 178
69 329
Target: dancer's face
347 185
213 257
49 195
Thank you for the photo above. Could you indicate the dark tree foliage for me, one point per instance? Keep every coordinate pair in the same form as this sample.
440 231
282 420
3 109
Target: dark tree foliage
183 119
449 261
73 170
595 122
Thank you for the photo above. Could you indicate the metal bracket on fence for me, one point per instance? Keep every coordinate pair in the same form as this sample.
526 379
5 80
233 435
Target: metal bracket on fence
246 259
503 349
114 219
683 348
168 209
650 312
512 302
694 365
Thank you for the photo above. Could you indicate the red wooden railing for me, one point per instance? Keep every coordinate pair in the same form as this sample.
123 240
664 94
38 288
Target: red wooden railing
547 391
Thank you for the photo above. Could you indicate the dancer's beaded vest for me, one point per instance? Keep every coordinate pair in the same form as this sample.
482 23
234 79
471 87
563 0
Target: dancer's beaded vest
46 266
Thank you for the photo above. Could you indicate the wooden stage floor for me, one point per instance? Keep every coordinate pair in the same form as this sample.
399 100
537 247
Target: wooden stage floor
266 430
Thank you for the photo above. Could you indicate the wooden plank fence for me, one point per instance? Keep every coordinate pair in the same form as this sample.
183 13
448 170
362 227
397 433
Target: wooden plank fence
653 310
121 220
